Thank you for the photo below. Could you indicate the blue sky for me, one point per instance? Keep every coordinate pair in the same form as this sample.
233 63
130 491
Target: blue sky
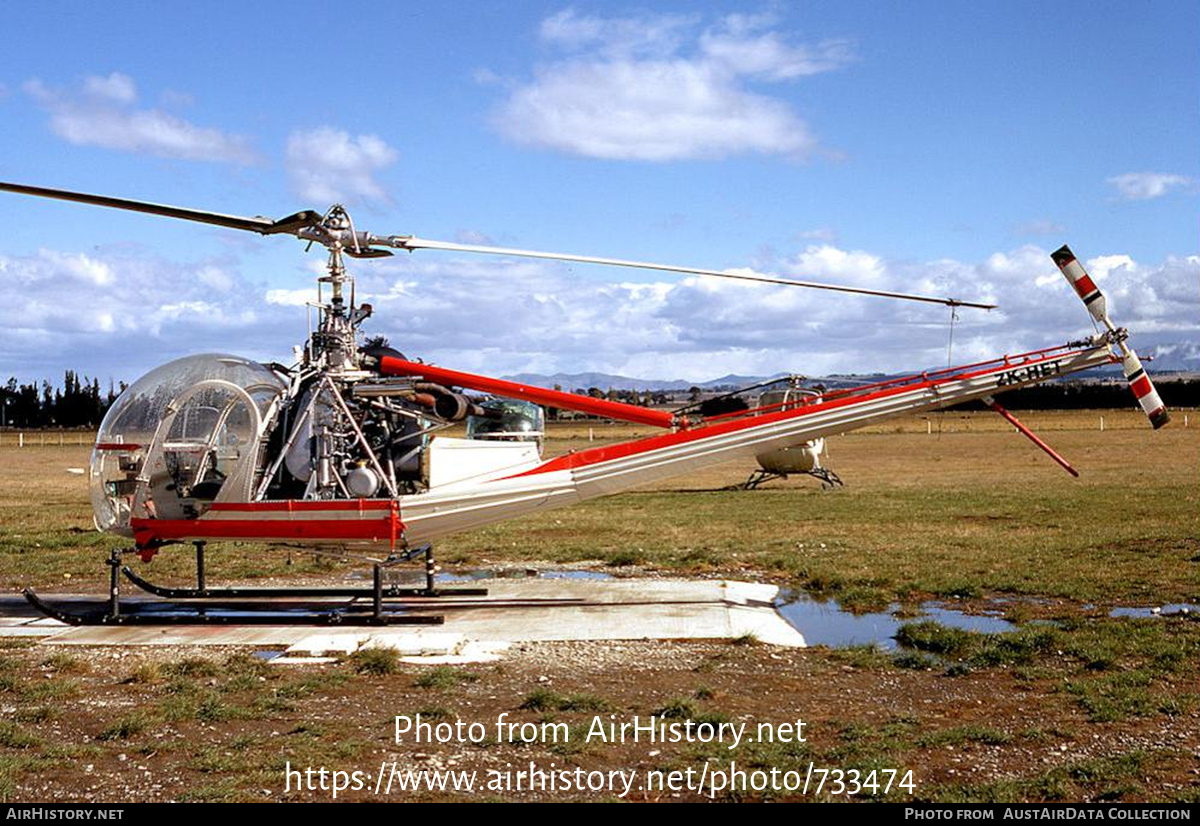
942 147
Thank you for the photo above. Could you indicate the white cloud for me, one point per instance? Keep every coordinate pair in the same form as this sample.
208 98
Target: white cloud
121 313
291 298
1041 226
505 317
116 87
651 88
103 112
768 56
327 165
118 314
827 235
1144 186
646 35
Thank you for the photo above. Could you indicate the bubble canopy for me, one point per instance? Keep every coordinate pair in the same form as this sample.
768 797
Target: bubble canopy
180 437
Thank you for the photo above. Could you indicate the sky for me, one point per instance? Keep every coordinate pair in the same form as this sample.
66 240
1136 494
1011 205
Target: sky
930 147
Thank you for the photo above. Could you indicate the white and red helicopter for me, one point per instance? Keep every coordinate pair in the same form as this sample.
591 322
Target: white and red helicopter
343 450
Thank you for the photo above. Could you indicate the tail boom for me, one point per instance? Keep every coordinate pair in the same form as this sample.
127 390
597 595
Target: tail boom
587 474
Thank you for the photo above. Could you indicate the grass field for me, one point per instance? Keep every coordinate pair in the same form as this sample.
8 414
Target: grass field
967 509
1074 705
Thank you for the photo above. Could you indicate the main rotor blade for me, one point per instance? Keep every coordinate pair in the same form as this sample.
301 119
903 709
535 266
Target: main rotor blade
263 226
413 243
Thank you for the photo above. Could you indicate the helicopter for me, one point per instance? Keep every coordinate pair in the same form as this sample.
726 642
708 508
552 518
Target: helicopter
345 450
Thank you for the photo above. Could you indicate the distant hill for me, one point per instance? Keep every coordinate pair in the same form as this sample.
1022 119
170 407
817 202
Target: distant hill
604 381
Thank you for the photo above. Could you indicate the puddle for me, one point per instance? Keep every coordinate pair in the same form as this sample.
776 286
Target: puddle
575 575
472 576
1174 609
825 623
268 655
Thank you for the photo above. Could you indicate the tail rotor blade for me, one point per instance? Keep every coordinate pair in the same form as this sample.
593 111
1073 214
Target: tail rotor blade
1147 396
1082 283
1143 389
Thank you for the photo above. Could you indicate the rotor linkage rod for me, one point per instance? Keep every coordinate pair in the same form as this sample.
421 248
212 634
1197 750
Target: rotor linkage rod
392 366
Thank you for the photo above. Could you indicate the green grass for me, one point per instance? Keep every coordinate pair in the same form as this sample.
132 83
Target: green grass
1116 777
190 667
543 699
1115 669
15 736
960 735
933 637
376 661
65 663
130 725
966 517
967 514
144 674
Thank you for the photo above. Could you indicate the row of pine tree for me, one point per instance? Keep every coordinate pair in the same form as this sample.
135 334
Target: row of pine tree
79 402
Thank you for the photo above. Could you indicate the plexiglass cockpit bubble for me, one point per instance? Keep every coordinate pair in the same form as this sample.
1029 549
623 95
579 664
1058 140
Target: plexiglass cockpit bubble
180 437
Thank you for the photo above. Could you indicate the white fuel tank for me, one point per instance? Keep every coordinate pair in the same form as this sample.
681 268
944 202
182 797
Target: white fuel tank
802 458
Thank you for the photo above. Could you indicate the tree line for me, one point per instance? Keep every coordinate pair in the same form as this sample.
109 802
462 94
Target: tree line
79 402
1066 395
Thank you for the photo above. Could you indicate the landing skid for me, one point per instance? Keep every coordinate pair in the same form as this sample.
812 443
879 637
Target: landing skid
829 479
171 613
203 605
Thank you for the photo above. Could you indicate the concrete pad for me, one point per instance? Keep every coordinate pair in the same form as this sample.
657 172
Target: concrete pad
472 652
337 642
525 610
249 635
417 643
30 626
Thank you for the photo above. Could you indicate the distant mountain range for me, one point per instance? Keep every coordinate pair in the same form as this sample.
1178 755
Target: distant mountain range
605 381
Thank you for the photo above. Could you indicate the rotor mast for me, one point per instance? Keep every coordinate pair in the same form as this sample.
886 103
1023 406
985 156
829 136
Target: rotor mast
333 344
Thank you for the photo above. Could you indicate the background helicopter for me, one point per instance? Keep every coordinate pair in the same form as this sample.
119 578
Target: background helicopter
343 449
